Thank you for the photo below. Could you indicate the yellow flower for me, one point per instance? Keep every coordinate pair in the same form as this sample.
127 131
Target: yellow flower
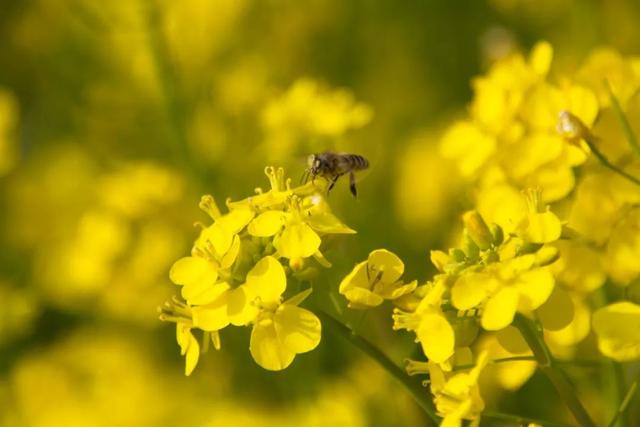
374 280
280 329
617 327
198 278
432 329
458 397
295 228
502 289
540 225
189 347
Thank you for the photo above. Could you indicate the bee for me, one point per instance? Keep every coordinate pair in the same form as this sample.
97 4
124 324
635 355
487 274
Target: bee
332 166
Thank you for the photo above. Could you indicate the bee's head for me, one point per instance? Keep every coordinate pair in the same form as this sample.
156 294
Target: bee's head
314 164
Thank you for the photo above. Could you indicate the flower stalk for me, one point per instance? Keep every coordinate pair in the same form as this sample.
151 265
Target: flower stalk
548 367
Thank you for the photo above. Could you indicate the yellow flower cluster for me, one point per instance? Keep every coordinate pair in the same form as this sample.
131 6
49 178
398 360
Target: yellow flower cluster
491 277
567 142
235 274
528 129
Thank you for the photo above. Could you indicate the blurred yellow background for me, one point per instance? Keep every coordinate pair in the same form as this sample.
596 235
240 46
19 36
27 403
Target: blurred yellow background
116 116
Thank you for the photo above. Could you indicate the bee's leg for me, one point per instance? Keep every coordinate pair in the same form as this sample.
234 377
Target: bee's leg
333 182
352 184
305 176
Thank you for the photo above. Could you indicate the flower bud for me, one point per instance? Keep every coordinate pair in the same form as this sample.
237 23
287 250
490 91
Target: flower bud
498 234
440 259
477 229
571 127
470 248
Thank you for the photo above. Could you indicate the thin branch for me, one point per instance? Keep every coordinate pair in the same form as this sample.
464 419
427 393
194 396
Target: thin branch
555 375
622 118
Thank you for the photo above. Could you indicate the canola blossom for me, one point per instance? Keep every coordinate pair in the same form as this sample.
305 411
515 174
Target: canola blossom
547 258
242 265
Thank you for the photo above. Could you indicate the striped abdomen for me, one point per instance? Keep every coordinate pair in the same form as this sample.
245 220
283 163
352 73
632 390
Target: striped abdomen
353 162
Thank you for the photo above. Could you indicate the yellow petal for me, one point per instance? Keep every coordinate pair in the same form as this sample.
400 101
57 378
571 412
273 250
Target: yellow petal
398 290
190 348
471 289
500 309
297 329
542 228
356 278
535 287
191 270
232 254
212 316
235 220
198 278
328 223
267 350
541 57
436 336
267 280
215 236
266 224
298 240
618 329
362 298
240 309
391 266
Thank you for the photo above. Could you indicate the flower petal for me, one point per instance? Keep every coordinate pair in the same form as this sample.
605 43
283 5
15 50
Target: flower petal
266 280
266 224
436 336
297 329
362 298
239 307
535 287
328 223
191 270
391 266
235 220
297 240
500 309
471 289
213 316
356 278
266 348
617 327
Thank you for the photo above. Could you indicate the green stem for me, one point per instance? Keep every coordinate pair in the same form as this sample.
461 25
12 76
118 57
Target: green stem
418 392
415 388
633 388
591 142
548 367
622 118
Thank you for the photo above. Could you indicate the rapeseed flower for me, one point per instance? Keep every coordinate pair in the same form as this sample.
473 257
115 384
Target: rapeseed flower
234 275
457 397
375 280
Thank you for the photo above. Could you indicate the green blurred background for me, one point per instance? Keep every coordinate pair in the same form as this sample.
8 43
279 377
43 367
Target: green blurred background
116 116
